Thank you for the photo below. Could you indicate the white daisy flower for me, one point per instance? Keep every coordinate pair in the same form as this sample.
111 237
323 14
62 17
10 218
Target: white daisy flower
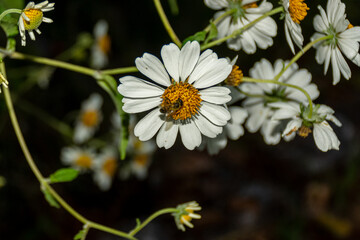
259 111
79 158
31 18
245 11
105 168
188 101
102 44
185 214
89 118
324 136
345 39
232 130
295 11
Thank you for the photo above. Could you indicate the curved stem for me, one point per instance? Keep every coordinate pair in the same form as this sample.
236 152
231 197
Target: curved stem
38 174
218 19
152 217
300 53
119 70
166 23
247 79
12 10
241 30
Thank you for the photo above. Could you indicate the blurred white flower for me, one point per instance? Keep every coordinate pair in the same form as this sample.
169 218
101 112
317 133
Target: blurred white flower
245 11
89 118
105 168
31 18
345 40
79 158
188 101
185 214
101 47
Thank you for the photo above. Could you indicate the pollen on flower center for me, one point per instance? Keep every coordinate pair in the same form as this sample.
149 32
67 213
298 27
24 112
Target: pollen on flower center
84 161
350 26
180 101
89 118
110 166
235 77
297 10
35 16
250 5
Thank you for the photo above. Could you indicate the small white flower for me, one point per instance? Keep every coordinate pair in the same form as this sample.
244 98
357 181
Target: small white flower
295 11
31 18
324 136
245 12
89 118
232 130
101 47
259 111
188 101
345 40
185 214
79 158
105 168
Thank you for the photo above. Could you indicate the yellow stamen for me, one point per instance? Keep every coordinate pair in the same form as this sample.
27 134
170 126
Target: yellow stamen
180 101
89 118
250 5
35 16
297 10
109 166
104 43
304 131
350 26
141 159
185 218
235 77
84 161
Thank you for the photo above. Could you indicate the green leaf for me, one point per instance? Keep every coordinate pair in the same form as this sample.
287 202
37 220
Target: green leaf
199 36
50 199
64 175
212 33
174 7
79 235
9 22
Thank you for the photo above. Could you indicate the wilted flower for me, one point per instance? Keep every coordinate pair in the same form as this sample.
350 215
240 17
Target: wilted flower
185 214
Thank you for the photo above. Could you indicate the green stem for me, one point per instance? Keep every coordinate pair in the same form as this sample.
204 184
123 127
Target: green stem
268 98
12 10
300 53
119 70
38 174
86 230
166 23
241 30
247 79
152 217
217 20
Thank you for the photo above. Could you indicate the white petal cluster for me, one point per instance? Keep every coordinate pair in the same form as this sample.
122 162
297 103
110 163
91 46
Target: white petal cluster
260 35
100 48
79 158
345 40
203 72
105 167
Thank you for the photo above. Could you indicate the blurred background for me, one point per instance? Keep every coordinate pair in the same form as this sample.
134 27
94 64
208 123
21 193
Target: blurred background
249 191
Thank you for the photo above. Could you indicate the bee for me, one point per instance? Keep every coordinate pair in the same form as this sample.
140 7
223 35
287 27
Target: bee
169 108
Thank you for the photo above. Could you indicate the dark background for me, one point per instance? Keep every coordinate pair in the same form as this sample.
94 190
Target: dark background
248 191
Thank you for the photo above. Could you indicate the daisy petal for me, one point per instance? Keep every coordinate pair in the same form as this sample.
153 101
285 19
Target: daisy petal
190 135
147 127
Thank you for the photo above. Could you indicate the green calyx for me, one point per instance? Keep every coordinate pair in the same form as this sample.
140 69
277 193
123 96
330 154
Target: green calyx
236 6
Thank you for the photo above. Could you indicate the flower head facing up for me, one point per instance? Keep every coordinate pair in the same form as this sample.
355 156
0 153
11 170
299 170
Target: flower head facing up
188 101
343 39
102 45
105 168
78 158
243 12
32 17
302 122
89 118
185 214
295 12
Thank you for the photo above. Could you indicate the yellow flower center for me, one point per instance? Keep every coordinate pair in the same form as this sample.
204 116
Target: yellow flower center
180 101
297 10
235 77
304 131
84 161
350 26
250 5
35 16
185 218
141 159
89 118
109 166
104 43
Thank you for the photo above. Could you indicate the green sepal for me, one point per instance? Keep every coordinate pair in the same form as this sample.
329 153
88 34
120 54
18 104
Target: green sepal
49 198
199 36
64 175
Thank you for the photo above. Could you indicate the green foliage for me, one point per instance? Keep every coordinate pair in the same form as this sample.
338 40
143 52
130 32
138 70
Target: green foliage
174 7
9 22
203 36
212 33
49 198
199 36
64 175
79 235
